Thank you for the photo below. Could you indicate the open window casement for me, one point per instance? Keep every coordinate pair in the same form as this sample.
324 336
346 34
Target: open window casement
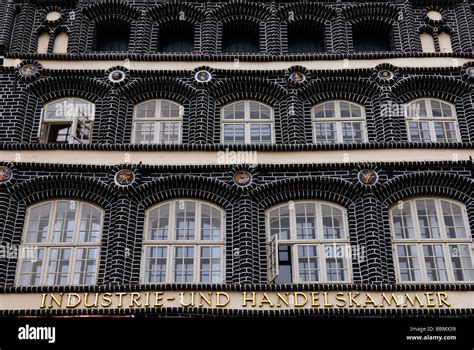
42 130
83 129
272 253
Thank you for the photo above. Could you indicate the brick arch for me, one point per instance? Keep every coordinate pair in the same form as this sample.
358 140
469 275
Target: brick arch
241 10
334 190
63 186
184 186
352 89
110 9
307 10
171 11
52 88
369 12
155 87
445 88
426 183
236 88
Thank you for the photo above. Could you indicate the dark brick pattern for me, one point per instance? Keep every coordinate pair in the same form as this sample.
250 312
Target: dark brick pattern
245 236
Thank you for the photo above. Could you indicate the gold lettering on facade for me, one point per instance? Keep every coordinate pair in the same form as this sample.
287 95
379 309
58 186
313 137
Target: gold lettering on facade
340 298
266 300
389 301
207 300
246 299
413 301
326 302
134 299
73 300
430 299
120 296
442 299
191 299
147 299
158 299
43 299
352 299
298 296
222 299
58 300
284 299
106 300
369 300
94 304
315 299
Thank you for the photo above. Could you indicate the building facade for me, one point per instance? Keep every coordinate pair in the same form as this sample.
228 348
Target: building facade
236 158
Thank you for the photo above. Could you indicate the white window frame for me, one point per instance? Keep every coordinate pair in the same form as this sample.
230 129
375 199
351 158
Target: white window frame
74 245
419 242
430 119
171 243
247 121
157 120
45 123
319 241
338 120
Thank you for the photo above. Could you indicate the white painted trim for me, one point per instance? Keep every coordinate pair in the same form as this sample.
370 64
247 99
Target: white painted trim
234 157
342 64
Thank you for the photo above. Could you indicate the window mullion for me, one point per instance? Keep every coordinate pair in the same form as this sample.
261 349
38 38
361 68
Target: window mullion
421 259
44 269
72 263
322 263
448 263
197 260
440 217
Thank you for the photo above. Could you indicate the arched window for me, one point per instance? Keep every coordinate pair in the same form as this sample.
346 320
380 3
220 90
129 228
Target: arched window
370 36
305 37
432 241
339 122
183 243
112 35
444 42
247 122
67 120
240 36
431 120
43 42
427 42
61 43
308 242
60 244
176 37
157 121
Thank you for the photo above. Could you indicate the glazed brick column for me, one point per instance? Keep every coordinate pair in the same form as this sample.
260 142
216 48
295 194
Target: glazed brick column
465 21
13 109
111 118
8 216
388 129
26 120
468 107
142 34
369 217
78 37
23 29
407 29
201 122
7 11
209 35
273 31
340 33
121 241
293 122
246 250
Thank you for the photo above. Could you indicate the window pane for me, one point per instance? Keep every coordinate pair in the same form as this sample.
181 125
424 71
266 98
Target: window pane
158 223
308 265
185 213
58 266
155 264
419 132
235 111
211 220
325 132
352 132
461 260
326 110
183 266
144 133
445 132
408 263
170 133
85 266
453 220
234 134
435 263
427 219
280 223
260 133
31 268
336 263
333 227
170 110
402 222
89 230
345 109
305 221
416 110
38 223
210 265
65 221
146 110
